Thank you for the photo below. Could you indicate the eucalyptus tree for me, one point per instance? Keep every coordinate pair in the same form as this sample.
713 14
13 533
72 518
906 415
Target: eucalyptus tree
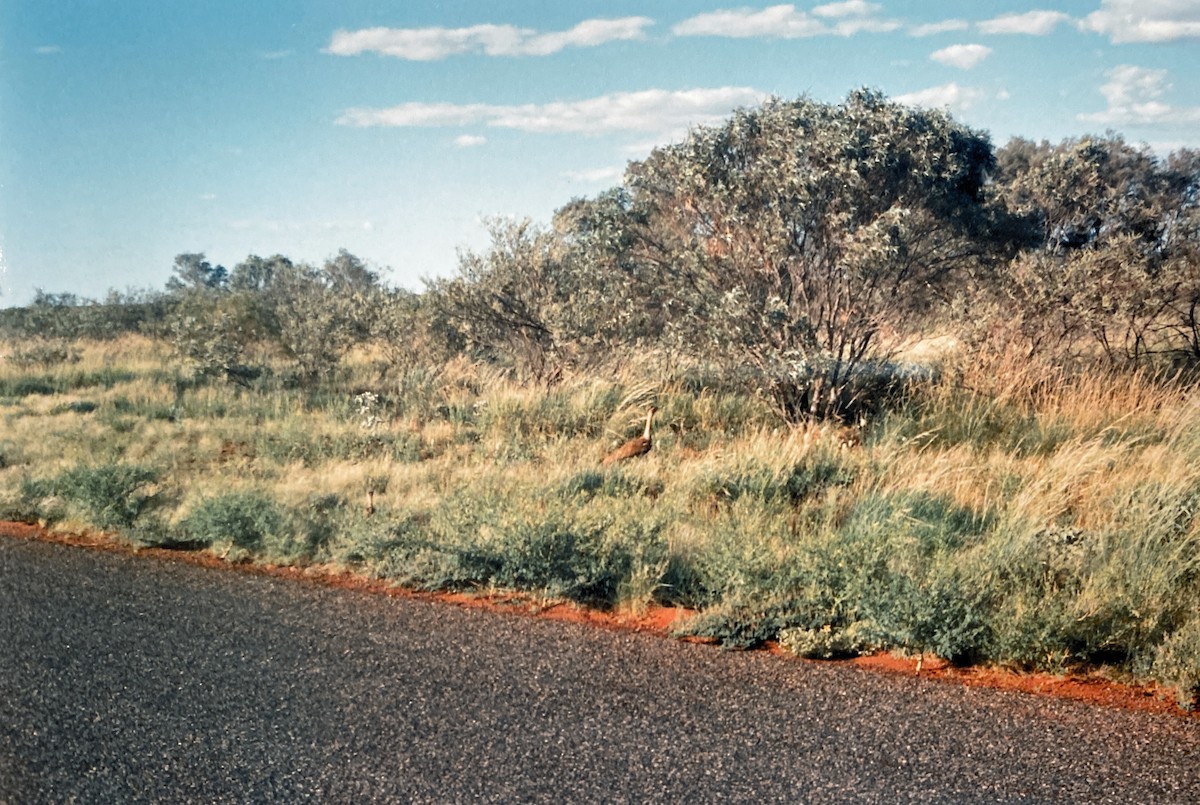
192 271
1182 233
798 237
314 316
319 314
504 301
1112 273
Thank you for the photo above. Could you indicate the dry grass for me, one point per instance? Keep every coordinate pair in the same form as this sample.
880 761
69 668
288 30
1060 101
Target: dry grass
1004 513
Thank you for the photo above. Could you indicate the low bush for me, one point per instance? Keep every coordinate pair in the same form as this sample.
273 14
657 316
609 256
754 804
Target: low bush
26 386
78 407
610 483
828 643
769 485
1177 663
111 496
247 520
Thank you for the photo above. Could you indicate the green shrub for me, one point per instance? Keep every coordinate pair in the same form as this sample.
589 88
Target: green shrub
78 407
827 643
245 519
747 624
564 559
319 523
25 386
595 557
1177 663
106 378
611 483
886 563
113 496
938 614
790 486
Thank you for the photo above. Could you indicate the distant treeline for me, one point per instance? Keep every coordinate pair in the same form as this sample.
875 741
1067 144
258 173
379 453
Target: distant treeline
795 244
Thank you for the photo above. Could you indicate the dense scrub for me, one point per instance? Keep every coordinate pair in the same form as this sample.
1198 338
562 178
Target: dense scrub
1026 494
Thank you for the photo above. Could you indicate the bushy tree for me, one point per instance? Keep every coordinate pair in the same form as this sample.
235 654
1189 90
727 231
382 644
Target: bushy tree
257 274
192 271
506 302
795 236
411 329
1111 272
313 315
1181 232
317 314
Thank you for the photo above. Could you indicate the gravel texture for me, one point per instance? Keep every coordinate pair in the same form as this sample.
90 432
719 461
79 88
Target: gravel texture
124 679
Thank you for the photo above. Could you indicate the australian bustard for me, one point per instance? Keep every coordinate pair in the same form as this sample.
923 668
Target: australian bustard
637 446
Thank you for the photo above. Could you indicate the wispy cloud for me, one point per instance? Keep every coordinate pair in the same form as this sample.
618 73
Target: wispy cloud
1033 23
432 44
787 22
47 50
777 22
963 57
596 175
1164 148
272 225
273 55
469 140
1134 96
932 28
951 96
1145 20
654 110
850 8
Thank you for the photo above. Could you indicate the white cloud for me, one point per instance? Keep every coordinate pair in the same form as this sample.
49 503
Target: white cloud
786 22
418 114
47 50
1034 23
589 33
850 8
777 22
469 140
1145 20
432 44
963 57
1164 148
871 26
597 175
272 55
1134 98
1129 84
272 225
945 26
655 110
208 196
947 96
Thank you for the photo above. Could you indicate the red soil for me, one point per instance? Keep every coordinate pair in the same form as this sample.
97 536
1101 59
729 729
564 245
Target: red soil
656 621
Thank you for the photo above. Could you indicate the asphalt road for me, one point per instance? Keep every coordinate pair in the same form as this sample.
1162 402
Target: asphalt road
126 679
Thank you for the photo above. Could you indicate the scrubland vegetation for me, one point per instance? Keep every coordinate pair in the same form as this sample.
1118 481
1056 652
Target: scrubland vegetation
1023 494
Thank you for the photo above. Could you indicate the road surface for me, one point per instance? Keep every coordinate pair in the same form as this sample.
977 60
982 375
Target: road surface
127 679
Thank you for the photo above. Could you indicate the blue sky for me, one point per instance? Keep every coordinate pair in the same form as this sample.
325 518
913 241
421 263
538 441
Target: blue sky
134 130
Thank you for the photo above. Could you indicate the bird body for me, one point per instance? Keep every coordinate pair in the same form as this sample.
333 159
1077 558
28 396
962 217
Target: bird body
637 446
